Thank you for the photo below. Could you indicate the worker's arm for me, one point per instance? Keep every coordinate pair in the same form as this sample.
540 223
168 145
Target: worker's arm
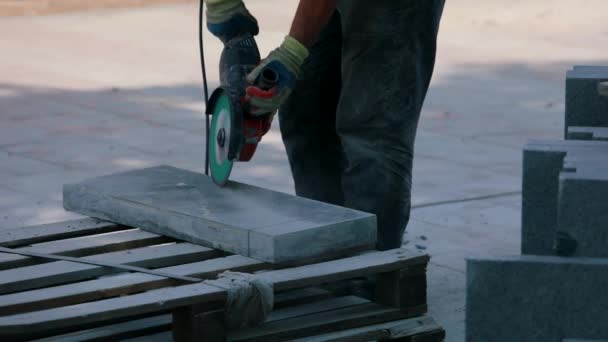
286 61
311 17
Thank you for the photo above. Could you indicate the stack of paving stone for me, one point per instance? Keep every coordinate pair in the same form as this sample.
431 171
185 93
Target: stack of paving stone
557 290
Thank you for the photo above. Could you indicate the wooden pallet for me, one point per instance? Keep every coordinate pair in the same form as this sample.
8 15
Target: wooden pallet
74 302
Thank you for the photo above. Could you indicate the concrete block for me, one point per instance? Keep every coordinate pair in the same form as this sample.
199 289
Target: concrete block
587 133
543 163
239 218
602 88
536 299
588 160
583 207
584 104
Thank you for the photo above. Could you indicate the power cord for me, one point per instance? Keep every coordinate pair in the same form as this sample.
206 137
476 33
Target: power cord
205 87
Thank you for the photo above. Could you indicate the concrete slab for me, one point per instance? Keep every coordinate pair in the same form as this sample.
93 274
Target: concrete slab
536 299
602 88
239 218
543 163
582 214
584 104
587 133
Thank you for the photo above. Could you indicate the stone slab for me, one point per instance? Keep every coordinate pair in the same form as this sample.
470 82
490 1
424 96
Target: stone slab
239 218
536 299
602 88
587 133
584 104
582 207
543 163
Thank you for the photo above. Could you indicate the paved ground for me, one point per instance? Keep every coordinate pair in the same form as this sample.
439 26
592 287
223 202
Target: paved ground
43 7
98 92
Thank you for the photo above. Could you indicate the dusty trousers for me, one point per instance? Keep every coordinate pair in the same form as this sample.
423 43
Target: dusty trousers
350 124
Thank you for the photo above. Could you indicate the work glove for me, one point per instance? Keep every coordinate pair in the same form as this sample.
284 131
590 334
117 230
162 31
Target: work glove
228 19
280 69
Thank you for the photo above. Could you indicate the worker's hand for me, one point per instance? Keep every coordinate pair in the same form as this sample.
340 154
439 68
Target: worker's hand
274 78
227 19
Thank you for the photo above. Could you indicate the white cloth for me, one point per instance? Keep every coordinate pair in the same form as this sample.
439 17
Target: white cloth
249 298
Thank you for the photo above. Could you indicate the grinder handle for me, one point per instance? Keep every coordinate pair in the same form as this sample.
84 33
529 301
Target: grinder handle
267 80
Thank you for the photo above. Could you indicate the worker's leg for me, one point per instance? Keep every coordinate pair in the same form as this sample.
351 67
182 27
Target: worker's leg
387 63
308 121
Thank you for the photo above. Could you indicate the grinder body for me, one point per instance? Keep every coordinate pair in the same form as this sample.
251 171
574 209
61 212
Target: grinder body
235 131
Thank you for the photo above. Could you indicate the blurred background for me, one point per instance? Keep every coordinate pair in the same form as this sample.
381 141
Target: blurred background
95 87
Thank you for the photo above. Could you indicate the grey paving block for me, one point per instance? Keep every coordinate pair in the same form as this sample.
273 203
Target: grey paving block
536 299
584 104
543 163
239 218
587 133
602 88
582 207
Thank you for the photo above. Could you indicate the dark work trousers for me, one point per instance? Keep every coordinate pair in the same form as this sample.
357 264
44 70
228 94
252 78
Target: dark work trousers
350 124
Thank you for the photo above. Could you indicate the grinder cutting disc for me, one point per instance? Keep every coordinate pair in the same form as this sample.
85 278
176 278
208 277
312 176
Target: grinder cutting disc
221 133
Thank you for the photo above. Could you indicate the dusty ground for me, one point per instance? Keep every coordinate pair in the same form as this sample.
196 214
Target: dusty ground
108 90
41 7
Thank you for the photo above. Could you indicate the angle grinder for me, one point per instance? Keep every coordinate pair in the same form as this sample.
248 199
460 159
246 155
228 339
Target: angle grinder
234 131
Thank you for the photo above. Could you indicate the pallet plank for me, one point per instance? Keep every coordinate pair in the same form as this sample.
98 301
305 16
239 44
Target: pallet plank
157 324
142 303
160 337
301 296
171 298
62 272
82 246
55 231
362 265
132 329
111 286
317 307
391 330
301 326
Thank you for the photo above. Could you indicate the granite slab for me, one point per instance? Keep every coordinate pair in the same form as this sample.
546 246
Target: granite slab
544 161
239 218
536 299
587 133
582 207
585 106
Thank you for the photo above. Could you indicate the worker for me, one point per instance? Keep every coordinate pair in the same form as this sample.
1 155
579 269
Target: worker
353 76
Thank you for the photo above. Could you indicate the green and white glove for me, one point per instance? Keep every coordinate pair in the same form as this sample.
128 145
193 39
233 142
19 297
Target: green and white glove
227 19
282 67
